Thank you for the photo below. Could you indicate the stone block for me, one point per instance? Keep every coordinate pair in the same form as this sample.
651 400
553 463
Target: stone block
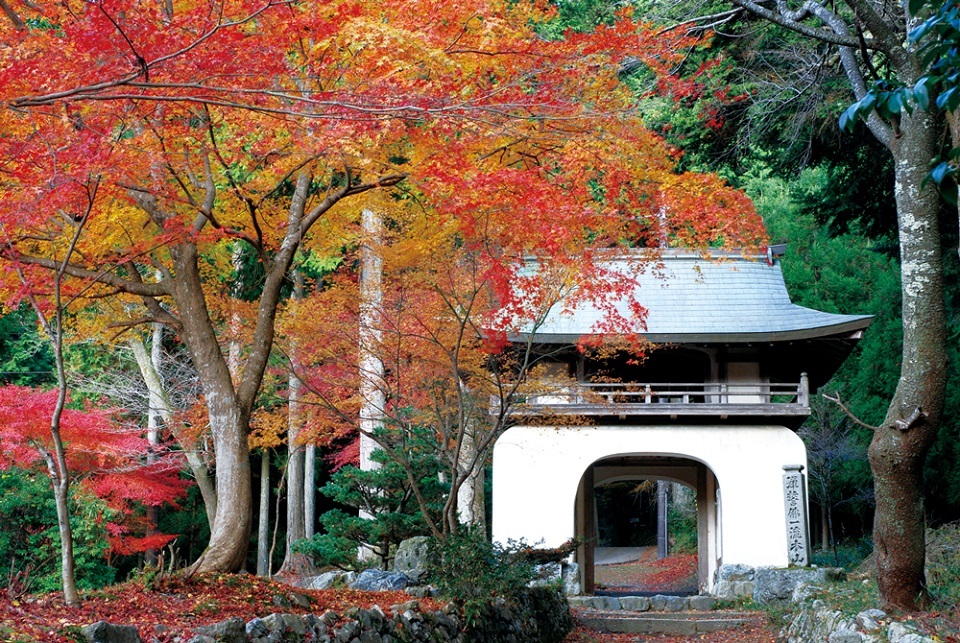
776 584
900 633
869 620
661 603
257 629
606 603
328 580
635 603
580 601
570 574
703 603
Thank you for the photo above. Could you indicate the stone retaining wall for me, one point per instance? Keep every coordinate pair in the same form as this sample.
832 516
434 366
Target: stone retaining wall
817 621
540 616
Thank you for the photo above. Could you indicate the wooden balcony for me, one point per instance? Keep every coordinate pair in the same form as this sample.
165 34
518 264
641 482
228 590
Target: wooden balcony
744 401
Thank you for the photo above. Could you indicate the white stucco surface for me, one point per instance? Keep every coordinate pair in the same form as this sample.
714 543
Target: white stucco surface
536 471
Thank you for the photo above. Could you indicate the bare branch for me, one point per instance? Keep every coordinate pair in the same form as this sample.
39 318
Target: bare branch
858 421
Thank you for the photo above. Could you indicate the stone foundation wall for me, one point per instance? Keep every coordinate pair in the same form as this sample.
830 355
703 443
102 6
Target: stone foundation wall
771 584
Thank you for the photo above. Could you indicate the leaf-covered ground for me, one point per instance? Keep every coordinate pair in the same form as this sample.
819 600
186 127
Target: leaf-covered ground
672 574
176 605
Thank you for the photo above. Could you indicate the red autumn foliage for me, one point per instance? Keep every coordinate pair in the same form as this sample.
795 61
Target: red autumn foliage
104 458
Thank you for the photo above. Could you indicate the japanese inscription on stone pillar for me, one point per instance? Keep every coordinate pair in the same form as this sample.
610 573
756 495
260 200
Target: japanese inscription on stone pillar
795 501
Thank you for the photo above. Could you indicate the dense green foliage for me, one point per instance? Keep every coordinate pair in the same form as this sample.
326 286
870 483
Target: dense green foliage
25 355
30 540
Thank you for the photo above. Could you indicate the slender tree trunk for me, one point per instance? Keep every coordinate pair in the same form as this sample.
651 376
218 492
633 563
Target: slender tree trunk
61 493
160 404
900 446
372 393
293 562
154 421
471 508
309 490
57 461
263 530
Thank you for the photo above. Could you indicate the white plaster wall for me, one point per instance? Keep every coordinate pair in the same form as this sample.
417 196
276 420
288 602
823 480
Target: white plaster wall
536 471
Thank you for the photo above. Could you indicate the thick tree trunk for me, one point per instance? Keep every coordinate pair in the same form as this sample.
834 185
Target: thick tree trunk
900 446
227 550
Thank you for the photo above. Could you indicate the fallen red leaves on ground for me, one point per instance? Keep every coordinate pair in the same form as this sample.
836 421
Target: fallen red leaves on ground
670 574
177 603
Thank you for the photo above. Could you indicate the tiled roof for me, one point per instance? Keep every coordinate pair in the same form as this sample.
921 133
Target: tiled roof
690 298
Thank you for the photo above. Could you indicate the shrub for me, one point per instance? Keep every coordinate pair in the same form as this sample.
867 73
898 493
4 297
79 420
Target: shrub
482 577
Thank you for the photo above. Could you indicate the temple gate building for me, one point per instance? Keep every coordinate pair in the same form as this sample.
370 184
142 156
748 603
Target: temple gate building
715 407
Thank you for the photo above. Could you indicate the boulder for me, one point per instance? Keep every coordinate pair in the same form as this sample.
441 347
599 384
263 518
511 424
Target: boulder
411 558
772 585
327 580
104 632
232 630
379 580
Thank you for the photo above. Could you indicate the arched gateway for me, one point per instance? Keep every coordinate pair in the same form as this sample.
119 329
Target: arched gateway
715 410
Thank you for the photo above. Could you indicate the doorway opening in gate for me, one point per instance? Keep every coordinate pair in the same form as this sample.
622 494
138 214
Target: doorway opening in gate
645 522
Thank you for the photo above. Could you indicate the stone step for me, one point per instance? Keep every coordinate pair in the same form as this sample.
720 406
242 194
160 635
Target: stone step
658 603
674 624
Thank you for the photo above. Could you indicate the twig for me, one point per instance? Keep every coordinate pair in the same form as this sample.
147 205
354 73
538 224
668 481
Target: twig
836 400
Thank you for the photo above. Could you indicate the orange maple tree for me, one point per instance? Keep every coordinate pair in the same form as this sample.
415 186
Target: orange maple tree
175 131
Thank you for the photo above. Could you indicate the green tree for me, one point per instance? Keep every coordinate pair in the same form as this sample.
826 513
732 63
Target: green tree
384 498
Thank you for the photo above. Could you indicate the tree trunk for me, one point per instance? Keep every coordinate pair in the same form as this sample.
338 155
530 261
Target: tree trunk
372 393
229 423
61 495
309 490
899 447
154 421
263 530
160 404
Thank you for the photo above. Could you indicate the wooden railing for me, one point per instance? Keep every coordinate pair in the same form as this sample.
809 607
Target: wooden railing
698 398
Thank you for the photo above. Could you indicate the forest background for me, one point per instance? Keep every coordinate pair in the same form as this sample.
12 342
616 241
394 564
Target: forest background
757 114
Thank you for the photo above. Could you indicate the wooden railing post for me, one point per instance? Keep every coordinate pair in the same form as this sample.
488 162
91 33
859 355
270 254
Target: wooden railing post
804 397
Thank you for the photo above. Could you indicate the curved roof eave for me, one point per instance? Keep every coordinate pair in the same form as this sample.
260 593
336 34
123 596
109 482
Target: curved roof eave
843 330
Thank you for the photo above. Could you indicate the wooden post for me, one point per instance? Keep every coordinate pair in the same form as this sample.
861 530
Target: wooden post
589 532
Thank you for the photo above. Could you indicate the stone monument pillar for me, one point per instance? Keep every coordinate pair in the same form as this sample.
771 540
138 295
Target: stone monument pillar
795 501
